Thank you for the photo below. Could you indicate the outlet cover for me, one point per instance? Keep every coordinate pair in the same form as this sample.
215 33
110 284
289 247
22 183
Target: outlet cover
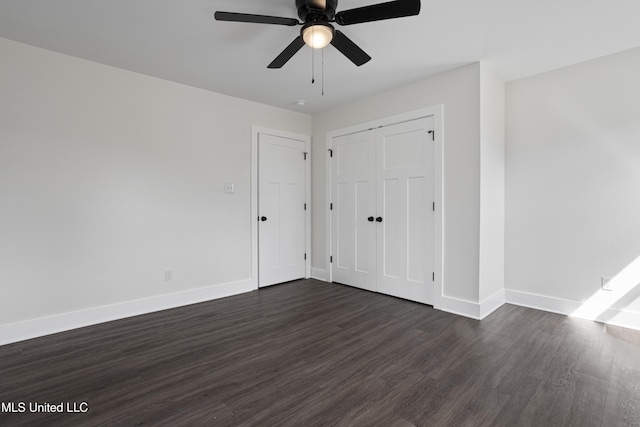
606 283
229 188
168 275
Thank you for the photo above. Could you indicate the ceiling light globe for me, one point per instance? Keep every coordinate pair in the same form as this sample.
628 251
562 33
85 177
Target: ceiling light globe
317 36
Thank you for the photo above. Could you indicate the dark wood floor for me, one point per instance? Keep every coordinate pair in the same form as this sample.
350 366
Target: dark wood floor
310 353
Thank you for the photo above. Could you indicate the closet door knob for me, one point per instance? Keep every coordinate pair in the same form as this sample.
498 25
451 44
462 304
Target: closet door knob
379 219
370 219
263 218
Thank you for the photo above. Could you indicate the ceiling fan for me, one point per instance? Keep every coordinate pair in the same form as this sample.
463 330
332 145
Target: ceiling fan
317 31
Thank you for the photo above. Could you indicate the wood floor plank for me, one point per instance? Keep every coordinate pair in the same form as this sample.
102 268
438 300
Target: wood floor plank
314 353
622 405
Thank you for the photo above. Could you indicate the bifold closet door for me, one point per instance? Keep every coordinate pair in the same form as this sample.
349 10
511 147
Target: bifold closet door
382 219
405 197
353 210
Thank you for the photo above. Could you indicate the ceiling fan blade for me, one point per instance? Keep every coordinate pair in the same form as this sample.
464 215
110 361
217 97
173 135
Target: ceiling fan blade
349 49
287 53
256 19
379 12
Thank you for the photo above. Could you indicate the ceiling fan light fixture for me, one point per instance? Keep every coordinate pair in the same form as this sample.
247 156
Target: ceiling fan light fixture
317 35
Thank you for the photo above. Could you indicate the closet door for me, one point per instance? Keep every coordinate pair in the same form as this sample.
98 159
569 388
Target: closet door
405 195
353 238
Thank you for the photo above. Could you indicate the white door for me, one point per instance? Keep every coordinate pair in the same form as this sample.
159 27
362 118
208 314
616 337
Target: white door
405 195
382 217
353 211
281 209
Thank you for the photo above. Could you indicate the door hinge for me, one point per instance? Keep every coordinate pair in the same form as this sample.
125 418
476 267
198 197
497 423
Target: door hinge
330 152
330 258
433 135
434 206
305 206
330 206
305 256
433 276
305 155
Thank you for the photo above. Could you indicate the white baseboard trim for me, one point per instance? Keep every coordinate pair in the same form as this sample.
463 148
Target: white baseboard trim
590 311
472 309
492 303
64 322
67 321
320 274
623 318
461 307
541 302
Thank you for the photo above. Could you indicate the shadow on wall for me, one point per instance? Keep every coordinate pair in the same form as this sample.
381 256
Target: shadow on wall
609 306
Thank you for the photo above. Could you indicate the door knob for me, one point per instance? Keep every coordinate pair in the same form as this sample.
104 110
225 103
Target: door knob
370 219
263 218
379 219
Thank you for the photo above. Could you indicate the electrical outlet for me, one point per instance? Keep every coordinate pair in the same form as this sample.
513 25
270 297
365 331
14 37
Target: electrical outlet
168 275
229 188
606 283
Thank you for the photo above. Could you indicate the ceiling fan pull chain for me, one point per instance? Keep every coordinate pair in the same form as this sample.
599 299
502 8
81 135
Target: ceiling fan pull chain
313 66
322 72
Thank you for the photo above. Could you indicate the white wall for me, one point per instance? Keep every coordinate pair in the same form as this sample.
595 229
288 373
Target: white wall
492 197
573 187
459 92
108 178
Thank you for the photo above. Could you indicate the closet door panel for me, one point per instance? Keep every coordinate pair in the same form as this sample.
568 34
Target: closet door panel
345 226
390 251
404 198
416 227
353 238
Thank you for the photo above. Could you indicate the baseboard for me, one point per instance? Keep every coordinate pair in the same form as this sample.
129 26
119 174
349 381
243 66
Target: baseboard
590 311
625 334
624 318
492 303
320 274
461 307
472 309
541 302
63 322
67 321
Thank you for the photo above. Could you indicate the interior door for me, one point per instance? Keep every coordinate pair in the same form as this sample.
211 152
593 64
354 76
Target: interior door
281 209
353 212
405 195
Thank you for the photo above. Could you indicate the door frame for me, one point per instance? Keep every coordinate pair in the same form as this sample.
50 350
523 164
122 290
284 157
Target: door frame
255 132
437 113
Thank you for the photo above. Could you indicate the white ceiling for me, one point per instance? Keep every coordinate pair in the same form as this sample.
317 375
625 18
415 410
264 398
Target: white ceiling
179 40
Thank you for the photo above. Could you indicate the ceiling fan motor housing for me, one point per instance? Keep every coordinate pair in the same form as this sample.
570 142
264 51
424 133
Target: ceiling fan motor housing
307 11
